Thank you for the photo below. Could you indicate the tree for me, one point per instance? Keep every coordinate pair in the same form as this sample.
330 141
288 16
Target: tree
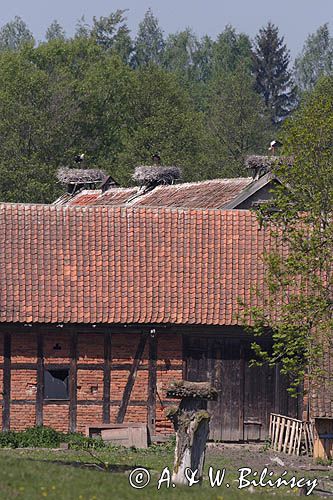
149 43
190 59
112 33
298 305
315 60
55 101
25 174
15 34
237 121
179 55
82 29
55 32
273 78
229 50
165 121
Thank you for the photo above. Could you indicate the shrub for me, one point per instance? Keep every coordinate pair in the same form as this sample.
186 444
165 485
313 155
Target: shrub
46 437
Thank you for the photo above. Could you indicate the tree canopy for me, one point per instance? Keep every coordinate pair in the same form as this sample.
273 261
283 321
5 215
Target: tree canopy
203 102
316 59
301 280
14 34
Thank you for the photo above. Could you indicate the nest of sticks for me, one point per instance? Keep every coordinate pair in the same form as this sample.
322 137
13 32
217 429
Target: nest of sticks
67 175
155 174
257 162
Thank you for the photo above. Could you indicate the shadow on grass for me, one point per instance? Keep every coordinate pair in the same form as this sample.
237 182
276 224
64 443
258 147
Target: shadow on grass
113 468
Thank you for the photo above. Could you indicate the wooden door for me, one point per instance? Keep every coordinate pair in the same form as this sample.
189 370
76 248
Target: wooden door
226 375
247 394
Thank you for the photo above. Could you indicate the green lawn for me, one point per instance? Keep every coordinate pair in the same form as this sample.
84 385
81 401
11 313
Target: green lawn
66 475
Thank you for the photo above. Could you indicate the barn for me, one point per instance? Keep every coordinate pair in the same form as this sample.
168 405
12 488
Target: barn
101 307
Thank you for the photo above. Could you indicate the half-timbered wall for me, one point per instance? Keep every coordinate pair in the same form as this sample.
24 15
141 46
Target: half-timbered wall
120 374
114 376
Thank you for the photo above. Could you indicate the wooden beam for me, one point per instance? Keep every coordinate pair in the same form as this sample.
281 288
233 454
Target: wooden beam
6 382
152 380
131 378
106 378
277 389
241 392
73 382
40 379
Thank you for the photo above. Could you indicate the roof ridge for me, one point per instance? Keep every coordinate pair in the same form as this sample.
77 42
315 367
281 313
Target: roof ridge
111 208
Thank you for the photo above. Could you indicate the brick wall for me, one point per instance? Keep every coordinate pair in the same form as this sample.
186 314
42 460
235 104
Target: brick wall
89 354
23 383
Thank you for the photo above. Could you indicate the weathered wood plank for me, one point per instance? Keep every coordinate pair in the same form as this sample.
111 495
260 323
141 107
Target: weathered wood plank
73 382
107 378
6 383
40 379
286 438
152 380
131 379
241 392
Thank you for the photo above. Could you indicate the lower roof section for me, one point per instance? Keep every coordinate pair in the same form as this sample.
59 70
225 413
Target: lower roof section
128 265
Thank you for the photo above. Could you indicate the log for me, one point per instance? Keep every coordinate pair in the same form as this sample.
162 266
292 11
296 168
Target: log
192 429
191 423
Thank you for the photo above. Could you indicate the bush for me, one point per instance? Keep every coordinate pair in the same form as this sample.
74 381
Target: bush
45 437
78 442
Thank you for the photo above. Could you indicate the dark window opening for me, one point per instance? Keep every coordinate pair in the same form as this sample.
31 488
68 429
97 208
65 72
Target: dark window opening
56 384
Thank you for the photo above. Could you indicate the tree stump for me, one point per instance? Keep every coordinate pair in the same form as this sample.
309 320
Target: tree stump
191 423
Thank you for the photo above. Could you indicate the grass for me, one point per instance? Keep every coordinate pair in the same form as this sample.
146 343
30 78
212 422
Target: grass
67 475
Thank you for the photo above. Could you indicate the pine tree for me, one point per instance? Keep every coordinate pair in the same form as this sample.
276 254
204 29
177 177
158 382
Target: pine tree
271 69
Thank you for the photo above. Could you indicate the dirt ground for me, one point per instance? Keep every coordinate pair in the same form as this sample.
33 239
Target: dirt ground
257 457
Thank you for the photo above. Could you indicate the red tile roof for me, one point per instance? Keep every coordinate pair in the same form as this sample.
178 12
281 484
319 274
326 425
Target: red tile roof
206 194
127 265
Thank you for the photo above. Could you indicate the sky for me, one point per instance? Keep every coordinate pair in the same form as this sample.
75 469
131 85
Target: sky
295 18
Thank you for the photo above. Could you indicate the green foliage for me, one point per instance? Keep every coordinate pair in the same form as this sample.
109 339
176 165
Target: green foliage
165 121
112 33
45 437
229 51
15 34
149 43
82 28
273 78
298 308
238 121
55 32
316 59
120 100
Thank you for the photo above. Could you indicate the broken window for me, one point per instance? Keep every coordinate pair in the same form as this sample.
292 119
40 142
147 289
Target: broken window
56 384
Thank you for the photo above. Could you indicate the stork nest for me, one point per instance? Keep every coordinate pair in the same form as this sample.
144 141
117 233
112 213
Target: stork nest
267 162
197 390
156 174
67 175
